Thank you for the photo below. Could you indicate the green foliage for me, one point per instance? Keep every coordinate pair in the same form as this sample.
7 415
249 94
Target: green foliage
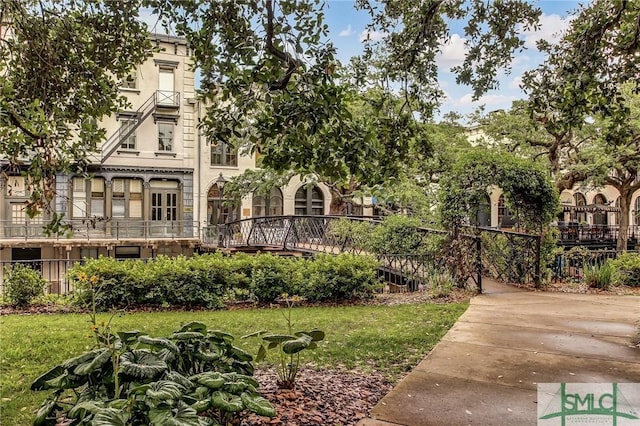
626 269
351 234
50 116
132 378
204 281
440 283
598 276
22 284
397 234
288 345
389 339
272 276
342 277
527 188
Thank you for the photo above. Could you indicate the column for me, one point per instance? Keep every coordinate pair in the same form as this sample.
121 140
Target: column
3 207
108 195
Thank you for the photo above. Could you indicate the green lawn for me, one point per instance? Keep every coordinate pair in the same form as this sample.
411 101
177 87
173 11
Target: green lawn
389 339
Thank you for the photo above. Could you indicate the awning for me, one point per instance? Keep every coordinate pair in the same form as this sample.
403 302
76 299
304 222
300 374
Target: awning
590 208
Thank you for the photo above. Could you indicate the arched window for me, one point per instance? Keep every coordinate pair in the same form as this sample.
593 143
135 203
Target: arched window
579 216
309 201
483 217
218 209
505 218
600 217
268 205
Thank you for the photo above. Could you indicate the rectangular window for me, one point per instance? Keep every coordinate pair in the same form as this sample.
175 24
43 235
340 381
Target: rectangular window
165 136
128 134
88 197
130 81
223 155
126 198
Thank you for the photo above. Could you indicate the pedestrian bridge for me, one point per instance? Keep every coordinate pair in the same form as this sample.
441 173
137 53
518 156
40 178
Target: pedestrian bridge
506 256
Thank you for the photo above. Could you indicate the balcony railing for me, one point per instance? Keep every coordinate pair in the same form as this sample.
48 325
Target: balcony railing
117 229
583 233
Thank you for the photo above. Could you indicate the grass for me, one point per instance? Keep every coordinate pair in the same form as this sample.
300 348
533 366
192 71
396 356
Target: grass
388 339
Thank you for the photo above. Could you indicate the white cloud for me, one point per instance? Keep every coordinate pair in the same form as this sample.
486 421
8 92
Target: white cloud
551 29
372 35
347 31
487 100
515 83
453 52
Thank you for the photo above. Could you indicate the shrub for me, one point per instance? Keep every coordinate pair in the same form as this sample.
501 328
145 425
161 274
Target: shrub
397 235
22 284
342 277
272 276
598 276
441 283
626 269
131 378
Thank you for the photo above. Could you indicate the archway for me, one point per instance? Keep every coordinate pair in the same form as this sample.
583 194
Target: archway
309 201
220 209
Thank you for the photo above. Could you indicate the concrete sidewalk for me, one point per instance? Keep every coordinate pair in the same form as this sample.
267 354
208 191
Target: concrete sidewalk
486 369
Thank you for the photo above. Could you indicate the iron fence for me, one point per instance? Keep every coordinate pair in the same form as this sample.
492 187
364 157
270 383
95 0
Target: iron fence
571 264
54 271
511 257
88 229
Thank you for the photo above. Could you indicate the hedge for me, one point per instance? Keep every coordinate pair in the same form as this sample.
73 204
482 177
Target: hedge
207 281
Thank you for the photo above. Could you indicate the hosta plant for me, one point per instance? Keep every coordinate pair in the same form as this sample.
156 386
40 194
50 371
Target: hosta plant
287 345
195 377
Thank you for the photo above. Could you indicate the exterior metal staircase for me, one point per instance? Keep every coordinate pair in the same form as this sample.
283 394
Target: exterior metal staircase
159 98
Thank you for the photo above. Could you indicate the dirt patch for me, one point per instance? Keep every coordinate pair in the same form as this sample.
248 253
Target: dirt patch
322 397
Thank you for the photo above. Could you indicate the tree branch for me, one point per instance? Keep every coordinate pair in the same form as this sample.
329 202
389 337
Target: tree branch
284 57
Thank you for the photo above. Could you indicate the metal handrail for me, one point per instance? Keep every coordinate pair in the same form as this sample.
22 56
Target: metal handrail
116 229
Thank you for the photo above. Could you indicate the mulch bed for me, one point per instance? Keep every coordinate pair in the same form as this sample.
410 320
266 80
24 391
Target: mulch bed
322 397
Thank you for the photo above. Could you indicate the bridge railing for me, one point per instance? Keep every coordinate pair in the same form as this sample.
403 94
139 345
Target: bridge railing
326 234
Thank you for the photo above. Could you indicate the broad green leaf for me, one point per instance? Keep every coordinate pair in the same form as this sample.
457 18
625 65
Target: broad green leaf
96 363
158 343
278 338
227 402
315 334
141 364
212 380
40 382
110 417
128 337
181 415
220 335
44 415
193 326
262 354
164 390
201 405
85 409
87 356
241 355
258 404
207 355
65 381
296 345
186 335
174 376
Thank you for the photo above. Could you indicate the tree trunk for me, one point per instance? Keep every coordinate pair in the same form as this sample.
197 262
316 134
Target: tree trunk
625 208
338 204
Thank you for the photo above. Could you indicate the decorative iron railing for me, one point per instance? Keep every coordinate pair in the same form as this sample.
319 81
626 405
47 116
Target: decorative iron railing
326 234
511 257
583 233
116 229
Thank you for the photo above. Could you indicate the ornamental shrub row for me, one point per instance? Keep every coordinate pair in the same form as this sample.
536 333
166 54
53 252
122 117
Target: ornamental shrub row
207 281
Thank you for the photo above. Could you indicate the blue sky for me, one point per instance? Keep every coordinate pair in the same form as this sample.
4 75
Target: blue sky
347 27
347 30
